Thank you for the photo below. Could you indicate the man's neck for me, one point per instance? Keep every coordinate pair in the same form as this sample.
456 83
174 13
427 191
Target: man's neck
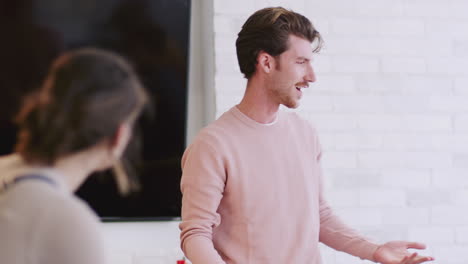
257 105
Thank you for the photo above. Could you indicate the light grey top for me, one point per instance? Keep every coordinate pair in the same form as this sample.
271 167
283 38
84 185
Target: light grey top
43 223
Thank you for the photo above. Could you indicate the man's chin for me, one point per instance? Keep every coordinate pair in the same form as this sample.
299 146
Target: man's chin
292 105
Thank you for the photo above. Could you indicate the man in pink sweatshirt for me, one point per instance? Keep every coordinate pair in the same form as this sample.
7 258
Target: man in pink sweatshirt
252 182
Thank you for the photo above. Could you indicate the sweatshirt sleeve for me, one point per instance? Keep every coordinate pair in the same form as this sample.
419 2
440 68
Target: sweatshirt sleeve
336 234
202 186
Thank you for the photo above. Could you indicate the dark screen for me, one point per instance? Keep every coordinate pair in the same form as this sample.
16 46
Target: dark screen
154 36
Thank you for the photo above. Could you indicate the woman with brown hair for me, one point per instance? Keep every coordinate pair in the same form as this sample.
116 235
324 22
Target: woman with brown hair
78 123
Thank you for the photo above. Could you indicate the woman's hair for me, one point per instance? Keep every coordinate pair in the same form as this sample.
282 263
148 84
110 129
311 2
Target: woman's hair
87 94
268 30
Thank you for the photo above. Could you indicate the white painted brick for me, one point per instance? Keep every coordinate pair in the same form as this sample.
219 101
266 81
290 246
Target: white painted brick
450 178
460 160
407 46
458 9
461 85
327 140
454 28
334 159
359 104
327 253
357 141
381 235
440 142
355 64
398 123
406 216
225 46
343 198
454 143
310 102
224 24
407 104
230 84
461 234
378 8
334 84
453 66
401 27
328 122
328 8
406 141
227 64
461 48
321 24
460 197
426 85
449 215
343 258
382 198
451 254
154 260
360 216
226 102
321 64
427 46
407 85
403 65
120 257
427 122
429 197
233 7
432 235
345 45
426 8
353 179
461 122
450 103
406 178
382 122
399 160
387 45
353 26
377 84
296 5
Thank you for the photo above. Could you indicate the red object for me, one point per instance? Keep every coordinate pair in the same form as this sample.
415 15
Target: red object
181 262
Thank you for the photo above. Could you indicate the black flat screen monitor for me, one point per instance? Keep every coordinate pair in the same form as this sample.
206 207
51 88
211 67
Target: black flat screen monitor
154 36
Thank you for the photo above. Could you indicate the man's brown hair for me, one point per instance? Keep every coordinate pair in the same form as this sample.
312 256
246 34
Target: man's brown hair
268 30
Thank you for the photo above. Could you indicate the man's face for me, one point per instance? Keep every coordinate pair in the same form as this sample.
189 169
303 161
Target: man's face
292 73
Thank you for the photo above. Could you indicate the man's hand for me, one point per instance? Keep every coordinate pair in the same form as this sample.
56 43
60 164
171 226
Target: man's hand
396 252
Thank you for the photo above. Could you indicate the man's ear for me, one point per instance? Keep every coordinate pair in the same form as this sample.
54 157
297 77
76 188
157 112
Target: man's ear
265 62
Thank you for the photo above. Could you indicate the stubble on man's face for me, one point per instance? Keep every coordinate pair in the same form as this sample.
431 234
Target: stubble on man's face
282 88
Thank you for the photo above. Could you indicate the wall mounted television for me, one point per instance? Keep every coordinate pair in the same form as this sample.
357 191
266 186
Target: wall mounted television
154 36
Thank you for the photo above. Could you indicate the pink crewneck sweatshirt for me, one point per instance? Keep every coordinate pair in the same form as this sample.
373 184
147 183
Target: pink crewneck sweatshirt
252 194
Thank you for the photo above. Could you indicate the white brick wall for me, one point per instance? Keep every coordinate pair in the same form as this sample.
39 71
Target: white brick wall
391 107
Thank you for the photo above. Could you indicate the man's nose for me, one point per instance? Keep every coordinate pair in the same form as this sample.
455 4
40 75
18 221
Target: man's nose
310 76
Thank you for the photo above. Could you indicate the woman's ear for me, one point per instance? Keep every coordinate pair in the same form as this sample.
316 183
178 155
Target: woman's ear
120 140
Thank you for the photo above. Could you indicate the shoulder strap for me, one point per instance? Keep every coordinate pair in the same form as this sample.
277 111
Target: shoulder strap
30 177
34 177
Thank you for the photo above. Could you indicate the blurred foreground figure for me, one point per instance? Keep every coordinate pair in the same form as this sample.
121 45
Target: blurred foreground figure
79 122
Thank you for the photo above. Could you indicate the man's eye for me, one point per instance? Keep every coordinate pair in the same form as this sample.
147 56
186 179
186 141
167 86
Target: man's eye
301 62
